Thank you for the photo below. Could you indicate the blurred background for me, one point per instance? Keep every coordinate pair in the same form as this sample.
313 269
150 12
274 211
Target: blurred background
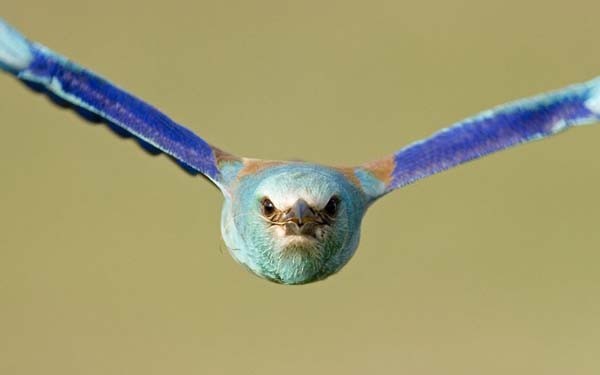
111 261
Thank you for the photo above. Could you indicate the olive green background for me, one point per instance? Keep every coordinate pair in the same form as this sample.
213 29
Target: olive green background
111 261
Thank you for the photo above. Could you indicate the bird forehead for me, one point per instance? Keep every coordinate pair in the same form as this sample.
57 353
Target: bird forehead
287 188
285 199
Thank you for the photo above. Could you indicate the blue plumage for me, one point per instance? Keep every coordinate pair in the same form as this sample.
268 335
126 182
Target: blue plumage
293 222
494 130
15 51
36 64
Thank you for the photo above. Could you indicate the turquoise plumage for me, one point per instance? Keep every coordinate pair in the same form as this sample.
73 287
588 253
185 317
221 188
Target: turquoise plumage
293 222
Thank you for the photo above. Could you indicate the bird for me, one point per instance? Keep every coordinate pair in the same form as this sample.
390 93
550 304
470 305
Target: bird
293 222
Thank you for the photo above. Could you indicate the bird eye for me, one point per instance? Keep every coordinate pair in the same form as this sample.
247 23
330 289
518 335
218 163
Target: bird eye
331 208
268 207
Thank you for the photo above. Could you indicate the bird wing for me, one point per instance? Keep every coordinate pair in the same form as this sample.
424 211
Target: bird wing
93 96
489 131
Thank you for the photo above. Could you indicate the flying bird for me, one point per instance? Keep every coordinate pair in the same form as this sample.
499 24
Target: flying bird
293 222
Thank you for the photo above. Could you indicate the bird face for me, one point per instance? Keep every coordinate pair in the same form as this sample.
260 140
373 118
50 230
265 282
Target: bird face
294 224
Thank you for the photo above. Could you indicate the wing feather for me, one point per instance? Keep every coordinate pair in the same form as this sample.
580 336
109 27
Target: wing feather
490 131
95 97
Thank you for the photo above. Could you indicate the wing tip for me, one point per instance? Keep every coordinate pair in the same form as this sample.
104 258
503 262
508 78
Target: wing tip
15 50
593 101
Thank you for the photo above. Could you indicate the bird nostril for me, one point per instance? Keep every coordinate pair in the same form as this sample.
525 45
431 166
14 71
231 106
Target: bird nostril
297 221
292 227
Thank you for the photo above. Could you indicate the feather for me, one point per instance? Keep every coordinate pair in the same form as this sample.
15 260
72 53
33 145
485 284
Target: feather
15 52
96 98
490 131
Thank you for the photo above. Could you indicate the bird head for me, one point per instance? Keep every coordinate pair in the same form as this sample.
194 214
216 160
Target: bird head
293 223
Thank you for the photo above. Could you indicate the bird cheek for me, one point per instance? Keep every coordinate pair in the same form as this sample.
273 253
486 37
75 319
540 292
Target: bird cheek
277 232
320 233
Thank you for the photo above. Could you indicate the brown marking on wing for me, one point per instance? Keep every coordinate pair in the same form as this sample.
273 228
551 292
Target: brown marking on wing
382 169
223 157
252 166
349 174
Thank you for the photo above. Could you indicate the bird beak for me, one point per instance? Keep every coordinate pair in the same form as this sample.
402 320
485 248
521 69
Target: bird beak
300 213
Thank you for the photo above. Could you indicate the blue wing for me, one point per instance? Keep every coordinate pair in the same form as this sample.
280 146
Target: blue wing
490 131
89 93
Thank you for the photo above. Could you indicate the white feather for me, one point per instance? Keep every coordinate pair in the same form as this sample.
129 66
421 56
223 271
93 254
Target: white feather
593 103
15 51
